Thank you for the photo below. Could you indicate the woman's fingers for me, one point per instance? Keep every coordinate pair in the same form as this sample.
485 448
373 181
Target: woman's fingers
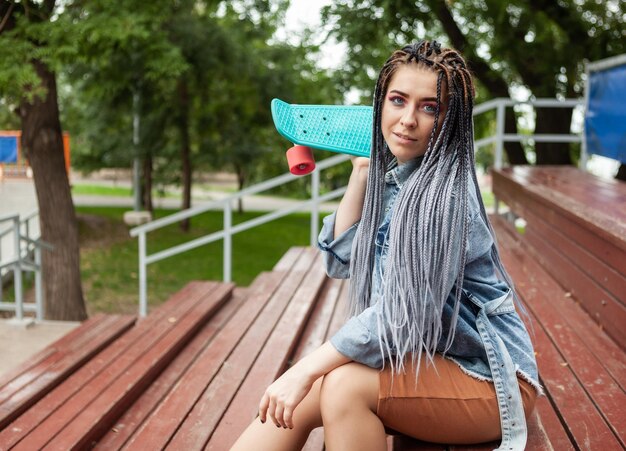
271 412
278 415
263 406
288 416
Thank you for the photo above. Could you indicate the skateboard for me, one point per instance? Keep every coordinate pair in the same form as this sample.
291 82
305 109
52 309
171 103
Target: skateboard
337 128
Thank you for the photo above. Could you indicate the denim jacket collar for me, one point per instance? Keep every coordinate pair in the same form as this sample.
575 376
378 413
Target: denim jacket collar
399 173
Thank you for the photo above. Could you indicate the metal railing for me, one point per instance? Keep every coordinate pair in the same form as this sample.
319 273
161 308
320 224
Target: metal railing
229 229
26 257
226 234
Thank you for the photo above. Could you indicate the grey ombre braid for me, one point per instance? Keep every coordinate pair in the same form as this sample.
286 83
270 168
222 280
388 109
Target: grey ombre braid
424 265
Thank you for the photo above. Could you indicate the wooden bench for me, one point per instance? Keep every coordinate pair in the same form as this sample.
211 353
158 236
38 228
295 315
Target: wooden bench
576 226
200 388
82 408
26 384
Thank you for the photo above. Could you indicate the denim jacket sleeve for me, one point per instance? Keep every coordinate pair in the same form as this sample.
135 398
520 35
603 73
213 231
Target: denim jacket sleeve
358 338
336 251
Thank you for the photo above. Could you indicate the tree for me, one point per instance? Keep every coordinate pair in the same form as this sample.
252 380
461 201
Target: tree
38 40
28 85
538 44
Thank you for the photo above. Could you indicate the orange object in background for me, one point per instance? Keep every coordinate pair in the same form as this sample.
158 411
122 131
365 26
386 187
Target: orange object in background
21 168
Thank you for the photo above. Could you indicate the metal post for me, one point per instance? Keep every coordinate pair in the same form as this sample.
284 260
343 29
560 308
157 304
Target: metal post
143 278
584 156
315 194
500 117
17 270
228 244
38 284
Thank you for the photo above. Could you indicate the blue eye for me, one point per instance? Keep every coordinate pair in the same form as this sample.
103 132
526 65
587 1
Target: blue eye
430 108
395 100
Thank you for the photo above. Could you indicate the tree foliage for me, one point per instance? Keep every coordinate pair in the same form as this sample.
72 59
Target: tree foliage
541 45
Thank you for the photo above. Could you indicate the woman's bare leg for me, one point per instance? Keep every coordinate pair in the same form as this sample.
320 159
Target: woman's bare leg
306 417
349 397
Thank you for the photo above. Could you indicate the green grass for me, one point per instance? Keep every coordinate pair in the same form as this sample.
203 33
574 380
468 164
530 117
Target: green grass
98 190
109 257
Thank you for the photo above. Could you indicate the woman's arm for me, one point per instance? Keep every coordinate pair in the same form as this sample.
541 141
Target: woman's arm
351 205
284 395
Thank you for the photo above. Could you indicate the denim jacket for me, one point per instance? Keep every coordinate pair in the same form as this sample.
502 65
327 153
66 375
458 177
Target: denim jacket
490 341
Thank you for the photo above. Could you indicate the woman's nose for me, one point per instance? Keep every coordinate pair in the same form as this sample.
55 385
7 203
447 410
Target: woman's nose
408 119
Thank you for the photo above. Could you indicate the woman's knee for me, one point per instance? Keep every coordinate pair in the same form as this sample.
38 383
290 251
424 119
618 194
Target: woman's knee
347 388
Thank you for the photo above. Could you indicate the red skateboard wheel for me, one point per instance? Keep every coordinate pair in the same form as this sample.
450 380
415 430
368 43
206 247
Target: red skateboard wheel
300 160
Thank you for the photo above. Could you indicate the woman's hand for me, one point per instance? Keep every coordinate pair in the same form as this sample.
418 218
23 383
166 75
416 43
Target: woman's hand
283 396
360 163
287 392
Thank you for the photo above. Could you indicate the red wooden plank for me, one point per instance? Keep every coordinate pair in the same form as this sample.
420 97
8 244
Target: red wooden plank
600 345
126 425
576 409
604 210
314 334
271 363
66 363
606 246
605 276
81 380
404 443
550 426
220 366
589 370
601 305
157 430
340 315
290 258
92 423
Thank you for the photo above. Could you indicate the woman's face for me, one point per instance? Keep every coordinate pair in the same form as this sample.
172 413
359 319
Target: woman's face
408 113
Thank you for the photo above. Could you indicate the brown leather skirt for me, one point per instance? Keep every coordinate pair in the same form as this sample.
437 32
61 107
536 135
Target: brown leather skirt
445 406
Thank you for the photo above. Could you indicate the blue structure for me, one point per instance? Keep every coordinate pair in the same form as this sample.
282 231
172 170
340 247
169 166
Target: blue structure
605 112
8 149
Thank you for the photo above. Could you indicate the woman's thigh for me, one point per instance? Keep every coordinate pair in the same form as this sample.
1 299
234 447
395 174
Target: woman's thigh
350 386
444 406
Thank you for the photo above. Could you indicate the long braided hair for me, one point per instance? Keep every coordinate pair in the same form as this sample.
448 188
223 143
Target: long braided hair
423 265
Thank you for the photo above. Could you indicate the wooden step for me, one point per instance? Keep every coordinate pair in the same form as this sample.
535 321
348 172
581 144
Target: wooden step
26 384
83 408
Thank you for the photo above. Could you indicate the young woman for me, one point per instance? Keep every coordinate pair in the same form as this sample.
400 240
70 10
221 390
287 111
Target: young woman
434 347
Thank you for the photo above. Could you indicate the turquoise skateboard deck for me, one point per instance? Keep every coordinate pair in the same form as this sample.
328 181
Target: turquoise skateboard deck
337 128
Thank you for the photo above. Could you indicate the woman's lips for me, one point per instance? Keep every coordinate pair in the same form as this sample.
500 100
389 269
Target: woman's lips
404 138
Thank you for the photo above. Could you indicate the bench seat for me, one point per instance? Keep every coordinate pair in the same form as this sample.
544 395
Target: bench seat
26 384
191 374
576 226
83 407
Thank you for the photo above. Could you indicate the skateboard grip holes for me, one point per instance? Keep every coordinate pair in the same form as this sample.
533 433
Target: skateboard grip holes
303 131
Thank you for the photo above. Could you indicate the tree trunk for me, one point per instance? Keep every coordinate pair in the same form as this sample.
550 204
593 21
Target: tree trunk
43 144
514 150
241 180
494 83
185 150
147 184
553 121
